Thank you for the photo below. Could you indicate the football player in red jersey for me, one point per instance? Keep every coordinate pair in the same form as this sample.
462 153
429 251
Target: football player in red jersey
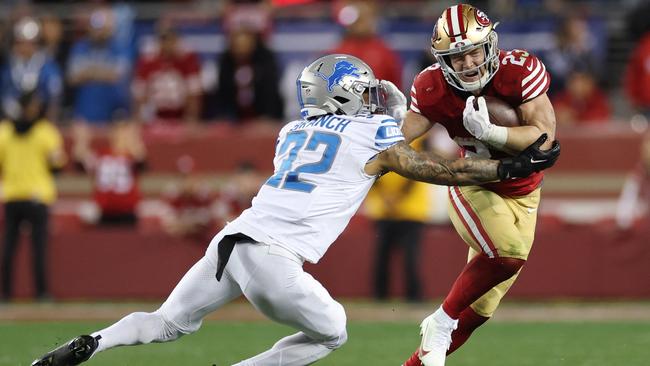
497 220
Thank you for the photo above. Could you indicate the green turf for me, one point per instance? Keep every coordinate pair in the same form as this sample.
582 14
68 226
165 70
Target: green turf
223 343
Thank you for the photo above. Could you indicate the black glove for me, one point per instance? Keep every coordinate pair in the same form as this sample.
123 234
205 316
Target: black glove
531 160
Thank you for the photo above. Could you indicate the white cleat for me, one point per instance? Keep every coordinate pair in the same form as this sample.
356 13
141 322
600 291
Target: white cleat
436 332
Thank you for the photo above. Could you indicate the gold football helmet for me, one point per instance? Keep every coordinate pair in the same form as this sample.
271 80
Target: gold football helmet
462 28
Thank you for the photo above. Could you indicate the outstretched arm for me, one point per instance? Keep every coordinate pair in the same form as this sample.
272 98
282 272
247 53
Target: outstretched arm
431 168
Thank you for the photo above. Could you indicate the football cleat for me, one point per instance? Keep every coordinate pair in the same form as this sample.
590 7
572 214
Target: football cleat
436 332
73 353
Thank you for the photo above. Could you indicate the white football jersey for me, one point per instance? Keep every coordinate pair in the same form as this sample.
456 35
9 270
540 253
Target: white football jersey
319 181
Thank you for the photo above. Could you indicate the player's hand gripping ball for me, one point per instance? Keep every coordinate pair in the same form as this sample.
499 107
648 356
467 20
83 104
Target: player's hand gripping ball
488 123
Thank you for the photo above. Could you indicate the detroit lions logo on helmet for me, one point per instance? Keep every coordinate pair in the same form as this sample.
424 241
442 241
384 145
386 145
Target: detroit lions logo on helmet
341 69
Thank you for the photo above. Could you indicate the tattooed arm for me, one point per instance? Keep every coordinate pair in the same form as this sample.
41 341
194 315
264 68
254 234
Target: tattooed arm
431 168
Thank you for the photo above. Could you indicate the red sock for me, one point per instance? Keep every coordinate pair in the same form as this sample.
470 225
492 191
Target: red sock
467 323
478 277
414 360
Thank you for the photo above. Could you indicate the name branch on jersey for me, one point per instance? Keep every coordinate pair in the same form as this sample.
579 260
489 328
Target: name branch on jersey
329 122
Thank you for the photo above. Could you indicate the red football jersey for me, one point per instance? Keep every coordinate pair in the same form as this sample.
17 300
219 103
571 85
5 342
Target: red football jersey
167 82
115 183
521 77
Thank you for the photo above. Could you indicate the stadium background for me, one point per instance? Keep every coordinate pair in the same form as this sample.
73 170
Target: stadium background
582 258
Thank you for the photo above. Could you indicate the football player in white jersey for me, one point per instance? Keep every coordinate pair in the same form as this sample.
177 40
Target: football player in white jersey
325 164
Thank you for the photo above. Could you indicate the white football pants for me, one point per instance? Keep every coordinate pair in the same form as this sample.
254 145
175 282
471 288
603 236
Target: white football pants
271 278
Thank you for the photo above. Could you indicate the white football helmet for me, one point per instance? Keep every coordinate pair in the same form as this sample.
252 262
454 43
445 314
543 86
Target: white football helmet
338 84
462 28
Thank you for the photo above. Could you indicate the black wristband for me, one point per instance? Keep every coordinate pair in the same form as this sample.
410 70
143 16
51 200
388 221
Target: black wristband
514 167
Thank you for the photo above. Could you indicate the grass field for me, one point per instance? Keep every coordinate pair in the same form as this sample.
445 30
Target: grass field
224 343
522 335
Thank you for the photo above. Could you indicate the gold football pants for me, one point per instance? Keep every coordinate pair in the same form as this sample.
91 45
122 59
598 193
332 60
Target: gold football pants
496 226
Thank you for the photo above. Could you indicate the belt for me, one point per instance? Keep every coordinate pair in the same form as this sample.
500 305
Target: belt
224 249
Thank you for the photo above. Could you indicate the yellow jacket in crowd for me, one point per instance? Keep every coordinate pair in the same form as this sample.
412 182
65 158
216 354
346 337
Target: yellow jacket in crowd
27 160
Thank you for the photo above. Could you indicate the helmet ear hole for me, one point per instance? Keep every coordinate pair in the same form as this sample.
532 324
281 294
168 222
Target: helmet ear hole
341 99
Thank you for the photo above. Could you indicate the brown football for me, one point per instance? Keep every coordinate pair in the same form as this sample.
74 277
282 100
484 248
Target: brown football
501 113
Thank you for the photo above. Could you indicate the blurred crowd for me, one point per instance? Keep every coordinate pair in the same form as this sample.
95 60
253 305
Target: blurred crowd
97 66
101 80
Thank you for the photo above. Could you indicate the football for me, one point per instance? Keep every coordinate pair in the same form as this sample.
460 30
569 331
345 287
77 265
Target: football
501 113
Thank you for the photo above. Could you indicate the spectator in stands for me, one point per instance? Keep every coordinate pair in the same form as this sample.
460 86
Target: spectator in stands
399 207
581 102
53 38
114 171
192 213
637 77
167 85
30 68
249 77
99 69
359 17
634 199
31 149
575 49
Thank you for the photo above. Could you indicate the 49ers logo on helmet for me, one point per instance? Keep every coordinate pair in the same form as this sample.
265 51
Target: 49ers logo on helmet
481 18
